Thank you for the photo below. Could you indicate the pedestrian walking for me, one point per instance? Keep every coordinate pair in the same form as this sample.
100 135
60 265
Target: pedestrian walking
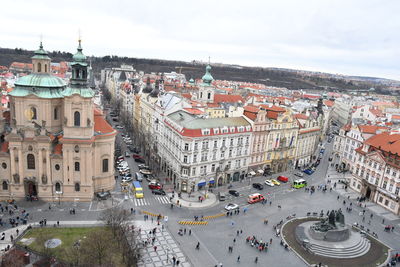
237 232
383 221
177 262
234 240
155 248
256 260
372 215
238 258
184 231
190 231
270 241
198 245
337 198
49 207
58 223
173 260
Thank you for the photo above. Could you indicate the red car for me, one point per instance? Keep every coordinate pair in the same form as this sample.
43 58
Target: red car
283 179
154 186
136 156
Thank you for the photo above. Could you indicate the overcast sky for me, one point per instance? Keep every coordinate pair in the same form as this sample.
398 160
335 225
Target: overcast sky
355 37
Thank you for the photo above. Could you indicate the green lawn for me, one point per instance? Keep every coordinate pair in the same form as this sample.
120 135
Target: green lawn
68 237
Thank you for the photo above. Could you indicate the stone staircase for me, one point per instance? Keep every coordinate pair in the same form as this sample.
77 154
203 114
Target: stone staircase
360 248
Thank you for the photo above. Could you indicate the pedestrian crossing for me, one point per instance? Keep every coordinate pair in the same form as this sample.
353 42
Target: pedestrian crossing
147 202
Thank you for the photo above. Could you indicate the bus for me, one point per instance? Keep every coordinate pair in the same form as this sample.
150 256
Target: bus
300 183
137 189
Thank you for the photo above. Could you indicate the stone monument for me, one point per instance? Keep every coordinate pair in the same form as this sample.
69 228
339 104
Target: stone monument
332 228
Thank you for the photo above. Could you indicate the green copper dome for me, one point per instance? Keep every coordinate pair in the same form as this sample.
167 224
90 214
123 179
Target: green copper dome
40 80
41 53
207 78
79 57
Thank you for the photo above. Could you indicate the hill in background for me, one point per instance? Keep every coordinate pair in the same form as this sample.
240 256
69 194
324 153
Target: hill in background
291 79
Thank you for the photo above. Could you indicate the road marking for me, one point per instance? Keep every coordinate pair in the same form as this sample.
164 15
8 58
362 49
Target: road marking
163 200
140 202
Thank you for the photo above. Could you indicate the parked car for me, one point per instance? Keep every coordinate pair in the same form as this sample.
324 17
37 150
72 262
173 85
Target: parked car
141 160
269 183
136 156
308 171
138 176
283 179
127 154
299 174
143 166
154 185
131 149
231 206
221 196
275 182
158 192
234 193
103 195
258 186
145 171
119 127
127 179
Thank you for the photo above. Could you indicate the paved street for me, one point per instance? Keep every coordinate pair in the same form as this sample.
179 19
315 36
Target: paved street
219 234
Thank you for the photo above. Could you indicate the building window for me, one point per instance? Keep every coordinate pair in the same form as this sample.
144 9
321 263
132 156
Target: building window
33 113
39 67
386 202
77 118
105 165
30 158
45 67
77 166
194 158
77 187
4 165
57 167
186 146
55 113
76 149
5 185
193 171
58 187
213 168
185 159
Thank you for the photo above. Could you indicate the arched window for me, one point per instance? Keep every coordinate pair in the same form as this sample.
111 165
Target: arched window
77 118
76 149
77 187
39 67
5 185
30 158
56 113
105 165
83 74
45 67
77 166
33 113
58 187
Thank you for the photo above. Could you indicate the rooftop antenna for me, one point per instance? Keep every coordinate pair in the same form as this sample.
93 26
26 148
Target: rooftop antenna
209 60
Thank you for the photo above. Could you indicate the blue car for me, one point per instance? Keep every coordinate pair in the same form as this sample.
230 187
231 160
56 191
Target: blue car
308 171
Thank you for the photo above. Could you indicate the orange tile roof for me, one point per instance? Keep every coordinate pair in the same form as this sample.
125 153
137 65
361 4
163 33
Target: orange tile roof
371 129
4 147
58 149
329 103
218 98
251 108
101 125
301 116
377 112
187 95
395 117
194 111
273 108
212 105
386 142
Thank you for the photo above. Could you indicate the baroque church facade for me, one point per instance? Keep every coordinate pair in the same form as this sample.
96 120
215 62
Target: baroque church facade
57 146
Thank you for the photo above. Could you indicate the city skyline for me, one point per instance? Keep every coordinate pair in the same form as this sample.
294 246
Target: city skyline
336 37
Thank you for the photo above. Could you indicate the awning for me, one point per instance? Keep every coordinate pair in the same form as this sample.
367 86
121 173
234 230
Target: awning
211 181
252 173
201 183
260 171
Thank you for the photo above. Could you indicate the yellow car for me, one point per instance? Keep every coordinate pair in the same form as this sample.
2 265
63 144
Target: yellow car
275 182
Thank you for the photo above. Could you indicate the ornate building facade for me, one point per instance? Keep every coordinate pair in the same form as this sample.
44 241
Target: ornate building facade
58 146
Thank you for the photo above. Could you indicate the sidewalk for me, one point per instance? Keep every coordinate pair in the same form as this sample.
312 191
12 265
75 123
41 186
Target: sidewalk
353 195
209 200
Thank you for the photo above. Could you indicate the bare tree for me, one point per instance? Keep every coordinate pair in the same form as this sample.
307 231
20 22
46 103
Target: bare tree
115 218
13 258
99 248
